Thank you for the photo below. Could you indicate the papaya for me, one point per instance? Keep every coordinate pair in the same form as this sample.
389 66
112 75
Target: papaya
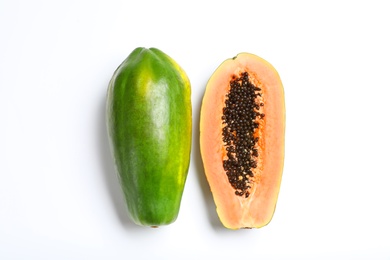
149 125
242 136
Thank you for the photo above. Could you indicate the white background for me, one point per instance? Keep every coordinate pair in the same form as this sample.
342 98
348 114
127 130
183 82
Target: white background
59 196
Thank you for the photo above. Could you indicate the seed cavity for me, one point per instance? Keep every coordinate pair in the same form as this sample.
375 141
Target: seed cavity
240 120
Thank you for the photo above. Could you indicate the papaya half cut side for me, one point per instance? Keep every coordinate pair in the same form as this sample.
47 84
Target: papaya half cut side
242 136
149 123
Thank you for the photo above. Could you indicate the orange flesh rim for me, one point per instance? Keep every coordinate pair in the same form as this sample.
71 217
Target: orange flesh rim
257 210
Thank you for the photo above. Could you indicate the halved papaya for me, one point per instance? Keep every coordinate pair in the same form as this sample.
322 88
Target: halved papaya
242 133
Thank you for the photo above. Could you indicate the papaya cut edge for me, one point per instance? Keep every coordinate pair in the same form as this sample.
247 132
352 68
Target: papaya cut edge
254 207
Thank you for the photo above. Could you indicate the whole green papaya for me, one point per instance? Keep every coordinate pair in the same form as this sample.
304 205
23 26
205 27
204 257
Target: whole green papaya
149 122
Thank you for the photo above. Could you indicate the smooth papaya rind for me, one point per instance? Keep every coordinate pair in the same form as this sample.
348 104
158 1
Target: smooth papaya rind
242 132
149 123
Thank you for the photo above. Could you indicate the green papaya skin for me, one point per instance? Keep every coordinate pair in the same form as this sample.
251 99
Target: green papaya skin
149 123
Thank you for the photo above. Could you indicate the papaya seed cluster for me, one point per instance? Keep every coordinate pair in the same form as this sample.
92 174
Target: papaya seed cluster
239 124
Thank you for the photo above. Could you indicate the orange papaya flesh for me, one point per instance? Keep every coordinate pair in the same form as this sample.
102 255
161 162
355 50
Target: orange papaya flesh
242 133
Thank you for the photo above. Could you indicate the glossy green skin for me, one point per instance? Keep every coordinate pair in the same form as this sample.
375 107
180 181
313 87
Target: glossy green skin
149 125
